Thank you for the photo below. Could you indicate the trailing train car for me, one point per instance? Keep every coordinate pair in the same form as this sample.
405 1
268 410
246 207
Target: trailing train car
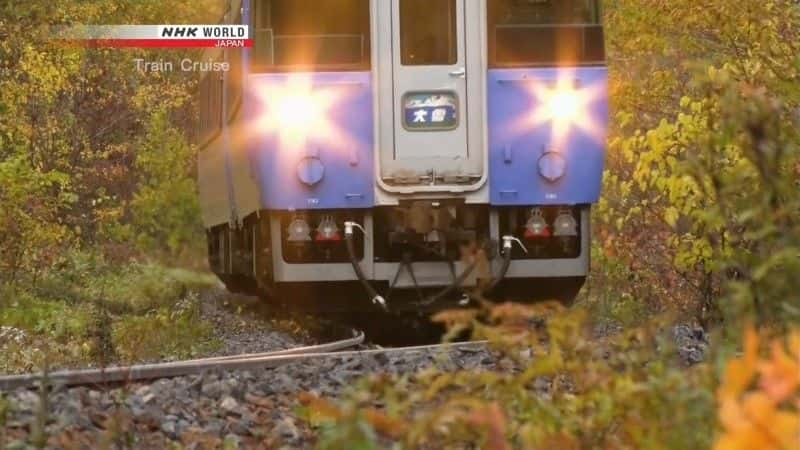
373 141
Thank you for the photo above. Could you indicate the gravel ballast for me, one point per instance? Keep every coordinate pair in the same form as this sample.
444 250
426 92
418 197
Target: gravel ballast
249 409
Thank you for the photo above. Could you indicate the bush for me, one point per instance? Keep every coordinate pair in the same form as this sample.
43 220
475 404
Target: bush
56 320
701 197
572 391
37 329
174 333
94 312
165 209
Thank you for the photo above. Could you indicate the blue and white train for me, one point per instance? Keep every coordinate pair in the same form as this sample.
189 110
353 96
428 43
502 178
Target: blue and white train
379 141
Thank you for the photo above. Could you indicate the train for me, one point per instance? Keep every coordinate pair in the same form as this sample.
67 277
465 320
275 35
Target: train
414 149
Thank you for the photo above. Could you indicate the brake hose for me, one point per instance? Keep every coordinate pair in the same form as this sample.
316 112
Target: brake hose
377 299
508 244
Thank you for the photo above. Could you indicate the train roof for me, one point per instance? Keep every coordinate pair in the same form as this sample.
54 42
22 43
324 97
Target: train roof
230 15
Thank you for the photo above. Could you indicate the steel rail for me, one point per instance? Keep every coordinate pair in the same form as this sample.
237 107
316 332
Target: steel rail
184 368
357 339
142 372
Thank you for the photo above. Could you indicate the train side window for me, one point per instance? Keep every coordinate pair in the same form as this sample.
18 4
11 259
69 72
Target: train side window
428 32
210 93
545 33
311 35
233 78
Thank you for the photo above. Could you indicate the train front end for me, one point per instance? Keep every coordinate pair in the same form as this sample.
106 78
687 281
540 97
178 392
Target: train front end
423 146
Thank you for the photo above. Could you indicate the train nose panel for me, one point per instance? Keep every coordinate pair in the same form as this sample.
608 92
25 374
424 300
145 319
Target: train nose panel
547 135
312 144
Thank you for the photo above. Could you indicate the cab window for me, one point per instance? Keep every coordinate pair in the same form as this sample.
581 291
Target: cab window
311 35
428 33
545 33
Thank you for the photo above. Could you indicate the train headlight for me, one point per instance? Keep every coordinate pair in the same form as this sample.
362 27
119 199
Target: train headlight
295 113
296 110
564 104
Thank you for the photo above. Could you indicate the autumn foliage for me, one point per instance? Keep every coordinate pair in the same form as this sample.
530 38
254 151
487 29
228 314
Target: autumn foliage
698 224
92 154
699 211
759 398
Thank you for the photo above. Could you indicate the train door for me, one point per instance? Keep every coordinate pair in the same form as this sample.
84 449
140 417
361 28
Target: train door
429 115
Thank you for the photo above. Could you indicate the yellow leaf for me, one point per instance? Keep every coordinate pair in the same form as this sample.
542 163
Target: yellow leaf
671 216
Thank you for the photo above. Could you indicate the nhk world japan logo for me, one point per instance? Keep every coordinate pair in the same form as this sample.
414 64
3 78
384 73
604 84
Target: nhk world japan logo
156 36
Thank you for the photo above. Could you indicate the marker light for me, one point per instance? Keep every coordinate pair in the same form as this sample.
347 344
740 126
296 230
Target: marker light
536 227
328 231
565 224
299 231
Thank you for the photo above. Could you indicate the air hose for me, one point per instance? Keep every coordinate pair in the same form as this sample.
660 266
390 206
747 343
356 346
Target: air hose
377 299
508 244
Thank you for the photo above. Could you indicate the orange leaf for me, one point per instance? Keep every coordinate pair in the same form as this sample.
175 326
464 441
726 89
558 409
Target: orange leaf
780 376
748 438
731 416
494 420
794 345
455 317
759 408
386 425
785 427
780 428
739 372
320 408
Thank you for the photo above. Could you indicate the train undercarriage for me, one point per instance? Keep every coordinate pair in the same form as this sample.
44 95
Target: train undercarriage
418 255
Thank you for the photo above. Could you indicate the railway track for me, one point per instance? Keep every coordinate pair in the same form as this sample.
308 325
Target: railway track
149 372
144 372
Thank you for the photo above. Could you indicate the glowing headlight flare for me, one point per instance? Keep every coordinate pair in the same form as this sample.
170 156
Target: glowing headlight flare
566 106
296 111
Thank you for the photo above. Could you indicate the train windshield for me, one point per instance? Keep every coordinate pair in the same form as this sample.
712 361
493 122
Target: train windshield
311 35
545 33
428 32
